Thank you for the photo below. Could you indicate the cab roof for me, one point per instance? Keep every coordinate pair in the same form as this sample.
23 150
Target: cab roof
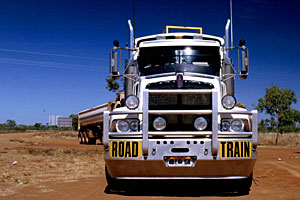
179 39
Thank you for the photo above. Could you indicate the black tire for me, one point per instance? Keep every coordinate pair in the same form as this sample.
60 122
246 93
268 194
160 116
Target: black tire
112 183
245 185
80 138
87 139
93 141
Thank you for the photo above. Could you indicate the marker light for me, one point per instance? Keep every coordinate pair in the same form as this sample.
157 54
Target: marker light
179 80
132 102
228 102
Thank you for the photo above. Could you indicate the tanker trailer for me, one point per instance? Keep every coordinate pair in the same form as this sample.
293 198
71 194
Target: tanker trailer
90 121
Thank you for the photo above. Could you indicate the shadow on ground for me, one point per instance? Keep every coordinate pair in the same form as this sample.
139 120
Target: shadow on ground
175 189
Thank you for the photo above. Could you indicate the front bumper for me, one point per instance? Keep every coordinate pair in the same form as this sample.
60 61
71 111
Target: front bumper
205 166
202 145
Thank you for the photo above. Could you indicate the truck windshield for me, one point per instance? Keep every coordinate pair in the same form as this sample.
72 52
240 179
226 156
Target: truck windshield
155 60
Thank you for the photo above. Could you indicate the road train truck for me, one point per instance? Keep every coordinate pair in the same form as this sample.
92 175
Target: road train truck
179 118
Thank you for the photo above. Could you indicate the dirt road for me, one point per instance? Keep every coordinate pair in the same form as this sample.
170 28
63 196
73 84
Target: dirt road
53 166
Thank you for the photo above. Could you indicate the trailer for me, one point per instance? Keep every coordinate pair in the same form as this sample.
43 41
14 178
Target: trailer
90 121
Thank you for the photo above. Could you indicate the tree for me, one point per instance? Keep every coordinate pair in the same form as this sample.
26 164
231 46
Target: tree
112 85
11 124
37 126
74 121
277 103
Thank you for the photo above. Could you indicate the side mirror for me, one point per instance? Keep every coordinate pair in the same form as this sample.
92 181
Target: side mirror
114 65
245 64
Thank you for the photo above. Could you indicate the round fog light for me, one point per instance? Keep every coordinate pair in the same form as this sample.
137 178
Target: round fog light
237 125
225 125
132 102
122 126
159 123
200 123
134 125
228 102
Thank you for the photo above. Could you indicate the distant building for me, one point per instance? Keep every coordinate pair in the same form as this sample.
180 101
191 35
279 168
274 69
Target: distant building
53 119
64 122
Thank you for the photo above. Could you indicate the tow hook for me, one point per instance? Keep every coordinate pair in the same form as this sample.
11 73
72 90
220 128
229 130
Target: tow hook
153 151
206 151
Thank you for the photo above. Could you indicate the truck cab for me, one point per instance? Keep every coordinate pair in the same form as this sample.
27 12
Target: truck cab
180 119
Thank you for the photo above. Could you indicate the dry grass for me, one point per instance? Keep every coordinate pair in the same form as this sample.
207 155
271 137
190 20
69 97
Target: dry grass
28 163
56 134
287 139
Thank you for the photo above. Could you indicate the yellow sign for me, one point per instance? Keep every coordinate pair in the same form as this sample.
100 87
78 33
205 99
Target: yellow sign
235 149
125 149
199 29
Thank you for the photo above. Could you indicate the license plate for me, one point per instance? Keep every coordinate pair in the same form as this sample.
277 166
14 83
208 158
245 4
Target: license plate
235 149
125 149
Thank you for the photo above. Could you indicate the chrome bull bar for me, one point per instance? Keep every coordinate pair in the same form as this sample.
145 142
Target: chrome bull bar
214 134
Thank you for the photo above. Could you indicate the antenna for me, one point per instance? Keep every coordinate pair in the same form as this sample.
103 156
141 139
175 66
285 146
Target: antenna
231 31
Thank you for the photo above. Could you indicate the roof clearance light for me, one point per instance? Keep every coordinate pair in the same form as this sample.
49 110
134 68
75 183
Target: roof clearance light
179 80
188 51
160 37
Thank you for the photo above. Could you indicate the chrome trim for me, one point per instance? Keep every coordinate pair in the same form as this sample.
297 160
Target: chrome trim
184 133
235 112
106 128
160 75
183 112
254 128
234 133
180 91
125 112
180 133
145 142
118 134
215 123
234 136
200 75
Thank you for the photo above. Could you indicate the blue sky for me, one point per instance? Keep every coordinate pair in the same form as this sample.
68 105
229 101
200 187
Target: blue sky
34 86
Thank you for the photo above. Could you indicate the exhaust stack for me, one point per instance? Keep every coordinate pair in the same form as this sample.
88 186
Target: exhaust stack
130 67
227 66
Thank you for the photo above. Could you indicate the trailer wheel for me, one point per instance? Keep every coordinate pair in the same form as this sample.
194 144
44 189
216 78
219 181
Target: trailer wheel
93 141
87 139
80 138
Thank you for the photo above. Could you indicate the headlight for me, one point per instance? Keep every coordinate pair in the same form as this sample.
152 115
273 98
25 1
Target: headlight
200 123
228 102
134 126
159 123
237 125
122 126
225 125
132 102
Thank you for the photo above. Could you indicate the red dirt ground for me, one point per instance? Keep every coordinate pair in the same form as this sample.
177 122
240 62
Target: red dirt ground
276 175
